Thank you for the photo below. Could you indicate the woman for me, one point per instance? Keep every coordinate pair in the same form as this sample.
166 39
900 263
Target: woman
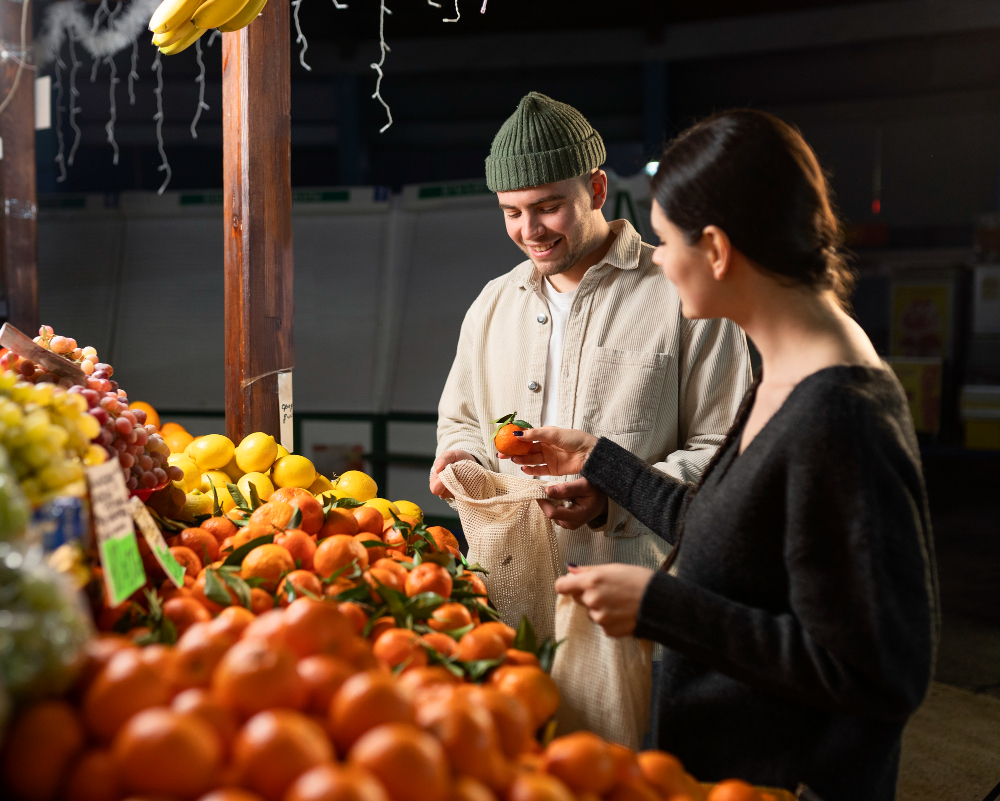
800 616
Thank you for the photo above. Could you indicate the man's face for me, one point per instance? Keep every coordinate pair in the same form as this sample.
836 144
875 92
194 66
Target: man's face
554 224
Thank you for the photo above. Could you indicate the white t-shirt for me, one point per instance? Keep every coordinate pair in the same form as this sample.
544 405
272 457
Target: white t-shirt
559 304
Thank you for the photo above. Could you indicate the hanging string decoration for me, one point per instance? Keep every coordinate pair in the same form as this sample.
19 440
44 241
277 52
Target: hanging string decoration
133 74
200 80
74 108
378 67
300 38
110 127
60 108
458 14
158 91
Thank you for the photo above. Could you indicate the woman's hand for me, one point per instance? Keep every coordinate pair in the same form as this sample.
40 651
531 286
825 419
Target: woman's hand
554 451
611 593
574 503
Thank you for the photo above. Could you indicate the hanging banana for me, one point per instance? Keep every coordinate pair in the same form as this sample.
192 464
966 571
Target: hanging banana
249 13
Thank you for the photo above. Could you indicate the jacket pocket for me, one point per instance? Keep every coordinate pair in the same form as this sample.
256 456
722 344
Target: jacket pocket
623 391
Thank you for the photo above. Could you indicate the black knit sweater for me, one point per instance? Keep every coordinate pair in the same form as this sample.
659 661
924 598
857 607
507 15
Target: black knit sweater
801 623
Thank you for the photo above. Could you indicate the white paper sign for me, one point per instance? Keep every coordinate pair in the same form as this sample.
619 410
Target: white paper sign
286 431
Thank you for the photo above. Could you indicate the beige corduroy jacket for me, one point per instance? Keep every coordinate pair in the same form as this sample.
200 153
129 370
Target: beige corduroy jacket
633 370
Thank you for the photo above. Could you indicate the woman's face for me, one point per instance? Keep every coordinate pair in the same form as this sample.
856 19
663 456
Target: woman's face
688 267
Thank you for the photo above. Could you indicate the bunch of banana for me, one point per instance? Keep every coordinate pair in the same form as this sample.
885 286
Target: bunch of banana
177 24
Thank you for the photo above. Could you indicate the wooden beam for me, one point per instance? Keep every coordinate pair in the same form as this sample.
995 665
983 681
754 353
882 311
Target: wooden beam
18 223
256 96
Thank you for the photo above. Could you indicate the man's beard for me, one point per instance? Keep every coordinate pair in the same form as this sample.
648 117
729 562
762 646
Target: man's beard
549 268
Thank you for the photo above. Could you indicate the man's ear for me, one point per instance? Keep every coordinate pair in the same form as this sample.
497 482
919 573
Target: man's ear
597 185
718 249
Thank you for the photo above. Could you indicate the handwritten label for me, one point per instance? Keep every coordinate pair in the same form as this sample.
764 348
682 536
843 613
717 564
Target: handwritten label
286 430
154 539
116 543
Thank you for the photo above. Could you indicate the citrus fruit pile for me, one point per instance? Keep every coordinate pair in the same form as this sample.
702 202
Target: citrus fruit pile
294 705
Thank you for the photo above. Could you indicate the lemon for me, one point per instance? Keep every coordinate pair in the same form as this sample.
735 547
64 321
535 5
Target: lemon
233 471
293 471
192 475
334 493
265 489
195 505
410 508
321 484
219 480
256 453
384 507
282 451
211 451
357 485
187 448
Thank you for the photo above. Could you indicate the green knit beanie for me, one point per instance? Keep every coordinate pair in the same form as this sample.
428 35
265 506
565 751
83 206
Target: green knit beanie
542 142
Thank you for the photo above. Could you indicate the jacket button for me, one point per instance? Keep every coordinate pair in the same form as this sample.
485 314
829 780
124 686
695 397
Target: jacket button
534 386
542 318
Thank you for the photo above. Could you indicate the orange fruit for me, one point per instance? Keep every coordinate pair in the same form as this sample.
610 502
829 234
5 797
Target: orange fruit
428 577
380 576
507 634
221 528
161 752
364 701
340 521
160 657
185 612
478 585
508 444
389 525
415 682
444 540
466 732
380 625
93 777
583 761
197 653
336 783
260 601
187 559
233 619
354 613
152 418
126 685
197 592
311 509
410 763
316 627
268 626
466 788
479 644
255 675
275 747
443 643
374 554
400 647
359 653
200 703
530 685
273 515
449 617
339 551
368 519
518 657
626 765
394 566
529 786
305 584
300 545
638 790
202 542
665 774
96 653
322 675
39 750
230 794
267 562
176 440
167 428
733 790
510 716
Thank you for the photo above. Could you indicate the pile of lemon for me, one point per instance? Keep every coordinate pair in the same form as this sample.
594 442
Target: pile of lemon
215 461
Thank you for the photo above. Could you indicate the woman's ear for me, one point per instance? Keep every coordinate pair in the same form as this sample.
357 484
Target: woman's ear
718 249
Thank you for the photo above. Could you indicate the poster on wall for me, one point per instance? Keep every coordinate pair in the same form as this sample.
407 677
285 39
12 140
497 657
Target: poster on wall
921 318
921 380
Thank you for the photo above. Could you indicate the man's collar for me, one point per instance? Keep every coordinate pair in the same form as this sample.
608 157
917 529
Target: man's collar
624 255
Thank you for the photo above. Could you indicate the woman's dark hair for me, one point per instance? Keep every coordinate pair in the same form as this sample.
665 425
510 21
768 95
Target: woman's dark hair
754 176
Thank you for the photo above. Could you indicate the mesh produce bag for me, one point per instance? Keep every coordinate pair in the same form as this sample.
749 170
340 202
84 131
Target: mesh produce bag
604 682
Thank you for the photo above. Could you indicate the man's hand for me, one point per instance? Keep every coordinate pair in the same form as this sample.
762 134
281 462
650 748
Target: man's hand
611 593
586 503
445 459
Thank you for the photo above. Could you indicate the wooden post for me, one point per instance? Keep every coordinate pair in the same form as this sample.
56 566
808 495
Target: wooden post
19 209
256 95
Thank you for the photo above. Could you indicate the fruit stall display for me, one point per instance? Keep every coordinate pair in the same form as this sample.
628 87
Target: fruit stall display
315 643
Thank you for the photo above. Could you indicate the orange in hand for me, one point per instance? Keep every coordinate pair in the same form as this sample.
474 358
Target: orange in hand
504 439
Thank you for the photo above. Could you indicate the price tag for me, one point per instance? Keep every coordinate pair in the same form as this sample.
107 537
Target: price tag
116 543
286 431
154 539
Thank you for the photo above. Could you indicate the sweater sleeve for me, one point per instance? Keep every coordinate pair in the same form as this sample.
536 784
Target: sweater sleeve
860 632
655 499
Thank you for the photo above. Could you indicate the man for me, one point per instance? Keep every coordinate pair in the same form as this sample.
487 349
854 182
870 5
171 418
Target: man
588 334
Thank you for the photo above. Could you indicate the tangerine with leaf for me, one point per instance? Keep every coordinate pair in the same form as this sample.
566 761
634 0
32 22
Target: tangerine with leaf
504 439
